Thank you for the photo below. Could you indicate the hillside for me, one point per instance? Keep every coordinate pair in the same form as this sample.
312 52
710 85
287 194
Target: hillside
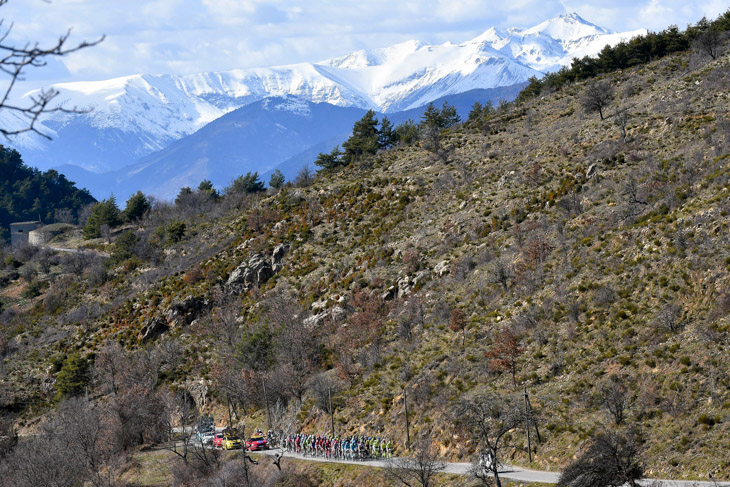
598 249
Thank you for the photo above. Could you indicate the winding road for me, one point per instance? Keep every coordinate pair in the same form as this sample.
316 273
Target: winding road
509 472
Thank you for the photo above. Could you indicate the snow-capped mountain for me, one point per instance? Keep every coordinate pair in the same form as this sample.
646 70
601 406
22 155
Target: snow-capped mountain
134 116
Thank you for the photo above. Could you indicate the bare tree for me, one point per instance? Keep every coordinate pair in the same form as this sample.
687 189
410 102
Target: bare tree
612 459
323 386
621 119
181 407
109 366
597 97
418 469
487 419
708 43
14 61
75 446
614 396
305 177
500 272
505 352
669 317
457 322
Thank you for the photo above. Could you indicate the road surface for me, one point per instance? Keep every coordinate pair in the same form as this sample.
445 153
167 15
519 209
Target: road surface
509 472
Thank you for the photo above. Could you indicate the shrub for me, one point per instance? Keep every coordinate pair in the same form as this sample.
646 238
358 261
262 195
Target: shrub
176 230
102 213
73 377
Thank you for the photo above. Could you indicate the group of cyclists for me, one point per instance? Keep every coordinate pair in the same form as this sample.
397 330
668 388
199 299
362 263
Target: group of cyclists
340 447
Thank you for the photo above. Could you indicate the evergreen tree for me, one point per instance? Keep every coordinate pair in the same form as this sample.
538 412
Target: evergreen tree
388 136
184 196
102 213
330 161
137 206
431 117
206 188
476 112
73 377
124 246
248 183
449 116
407 132
176 230
277 180
364 140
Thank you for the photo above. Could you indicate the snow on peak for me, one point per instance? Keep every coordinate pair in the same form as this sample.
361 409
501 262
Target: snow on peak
567 27
292 104
491 35
147 112
374 57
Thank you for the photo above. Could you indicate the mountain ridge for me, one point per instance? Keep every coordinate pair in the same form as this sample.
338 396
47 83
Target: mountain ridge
147 112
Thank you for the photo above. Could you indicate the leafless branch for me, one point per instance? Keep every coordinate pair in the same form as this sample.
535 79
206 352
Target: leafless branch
14 60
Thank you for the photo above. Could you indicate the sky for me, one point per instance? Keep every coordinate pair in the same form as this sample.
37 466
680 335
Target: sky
192 36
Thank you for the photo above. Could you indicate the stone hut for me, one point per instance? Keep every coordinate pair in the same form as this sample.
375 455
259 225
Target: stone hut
41 236
19 232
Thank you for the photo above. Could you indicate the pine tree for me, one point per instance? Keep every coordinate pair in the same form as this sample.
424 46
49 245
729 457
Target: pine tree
432 117
102 213
331 160
364 139
406 132
137 206
388 136
248 183
449 116
73 377
476 112
277 180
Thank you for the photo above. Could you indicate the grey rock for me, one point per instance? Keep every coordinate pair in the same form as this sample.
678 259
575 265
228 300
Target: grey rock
315 321
154 329
250 274
591 170
277 257
404 287
442 268
279 253
184 311
338 313
420 278
389 294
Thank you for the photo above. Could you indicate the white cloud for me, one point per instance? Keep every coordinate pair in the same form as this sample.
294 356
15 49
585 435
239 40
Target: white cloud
158 36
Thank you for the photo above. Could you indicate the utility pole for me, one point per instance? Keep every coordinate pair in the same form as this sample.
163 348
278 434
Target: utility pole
527 426
266 399
529 405
332 414
408 432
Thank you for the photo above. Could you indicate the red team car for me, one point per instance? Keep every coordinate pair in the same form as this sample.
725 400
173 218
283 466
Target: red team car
257 442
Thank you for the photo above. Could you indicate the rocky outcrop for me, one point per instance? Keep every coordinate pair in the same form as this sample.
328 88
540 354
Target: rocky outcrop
153 329
257 270
336 314
198 390
277 257
442 268
184 311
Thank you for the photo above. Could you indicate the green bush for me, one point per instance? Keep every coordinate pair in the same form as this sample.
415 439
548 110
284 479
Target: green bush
103 213
74 376
176 230
33 289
